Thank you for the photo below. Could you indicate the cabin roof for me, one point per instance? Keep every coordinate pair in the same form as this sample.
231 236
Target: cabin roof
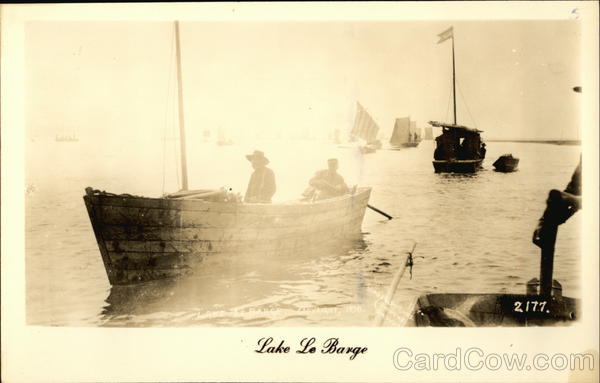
454 126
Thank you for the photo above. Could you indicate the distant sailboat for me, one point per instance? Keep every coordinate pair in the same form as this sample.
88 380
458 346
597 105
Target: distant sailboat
405 134
366 129
415 133
66 138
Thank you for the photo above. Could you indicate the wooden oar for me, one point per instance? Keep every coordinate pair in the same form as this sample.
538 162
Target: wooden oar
386 215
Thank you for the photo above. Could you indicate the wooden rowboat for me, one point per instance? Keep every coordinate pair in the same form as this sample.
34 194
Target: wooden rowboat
142 239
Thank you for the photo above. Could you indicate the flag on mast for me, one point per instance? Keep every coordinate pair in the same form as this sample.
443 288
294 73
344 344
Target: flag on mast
447 34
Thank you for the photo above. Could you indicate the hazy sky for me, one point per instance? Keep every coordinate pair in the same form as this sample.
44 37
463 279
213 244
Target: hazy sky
116 80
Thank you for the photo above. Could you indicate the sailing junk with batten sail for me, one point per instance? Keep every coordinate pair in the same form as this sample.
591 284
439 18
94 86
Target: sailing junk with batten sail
459 149
366 129
142 239
405 134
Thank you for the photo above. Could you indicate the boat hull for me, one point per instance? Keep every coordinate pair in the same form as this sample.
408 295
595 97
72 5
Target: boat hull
406 145
456 166
480 310
506 164
142 239
368 149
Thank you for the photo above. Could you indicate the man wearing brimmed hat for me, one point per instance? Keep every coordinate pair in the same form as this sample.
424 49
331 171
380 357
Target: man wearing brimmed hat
262 182
328 183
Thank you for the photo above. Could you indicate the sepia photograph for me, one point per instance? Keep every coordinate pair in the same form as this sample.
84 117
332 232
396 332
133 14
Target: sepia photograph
285 174
312 173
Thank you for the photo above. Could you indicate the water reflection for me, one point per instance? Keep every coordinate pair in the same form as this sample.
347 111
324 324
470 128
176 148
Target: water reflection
220 292
459 177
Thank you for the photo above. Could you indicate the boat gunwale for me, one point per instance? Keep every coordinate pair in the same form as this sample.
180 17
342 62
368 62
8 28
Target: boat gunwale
458 161
100 199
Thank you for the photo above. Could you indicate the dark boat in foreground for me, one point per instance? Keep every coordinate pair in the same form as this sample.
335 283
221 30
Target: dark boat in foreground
542 305
492 310
506 163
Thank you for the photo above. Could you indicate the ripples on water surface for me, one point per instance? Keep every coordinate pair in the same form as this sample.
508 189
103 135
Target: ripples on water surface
472 230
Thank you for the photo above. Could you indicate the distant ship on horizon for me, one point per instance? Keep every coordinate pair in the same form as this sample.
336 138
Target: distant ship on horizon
534 141
67 138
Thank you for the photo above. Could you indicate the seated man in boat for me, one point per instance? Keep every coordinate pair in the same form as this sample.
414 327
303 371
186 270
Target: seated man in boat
327 183
262 182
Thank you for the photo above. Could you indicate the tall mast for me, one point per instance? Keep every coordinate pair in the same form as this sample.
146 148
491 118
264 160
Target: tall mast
453 80
184 180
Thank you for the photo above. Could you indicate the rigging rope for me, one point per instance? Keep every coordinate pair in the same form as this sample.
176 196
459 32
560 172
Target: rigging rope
465 103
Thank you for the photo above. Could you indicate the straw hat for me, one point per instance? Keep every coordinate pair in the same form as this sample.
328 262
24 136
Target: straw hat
257 156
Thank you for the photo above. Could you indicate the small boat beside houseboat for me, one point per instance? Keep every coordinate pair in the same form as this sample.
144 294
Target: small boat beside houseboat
506 163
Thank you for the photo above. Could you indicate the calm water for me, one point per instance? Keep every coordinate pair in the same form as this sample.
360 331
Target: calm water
473 233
